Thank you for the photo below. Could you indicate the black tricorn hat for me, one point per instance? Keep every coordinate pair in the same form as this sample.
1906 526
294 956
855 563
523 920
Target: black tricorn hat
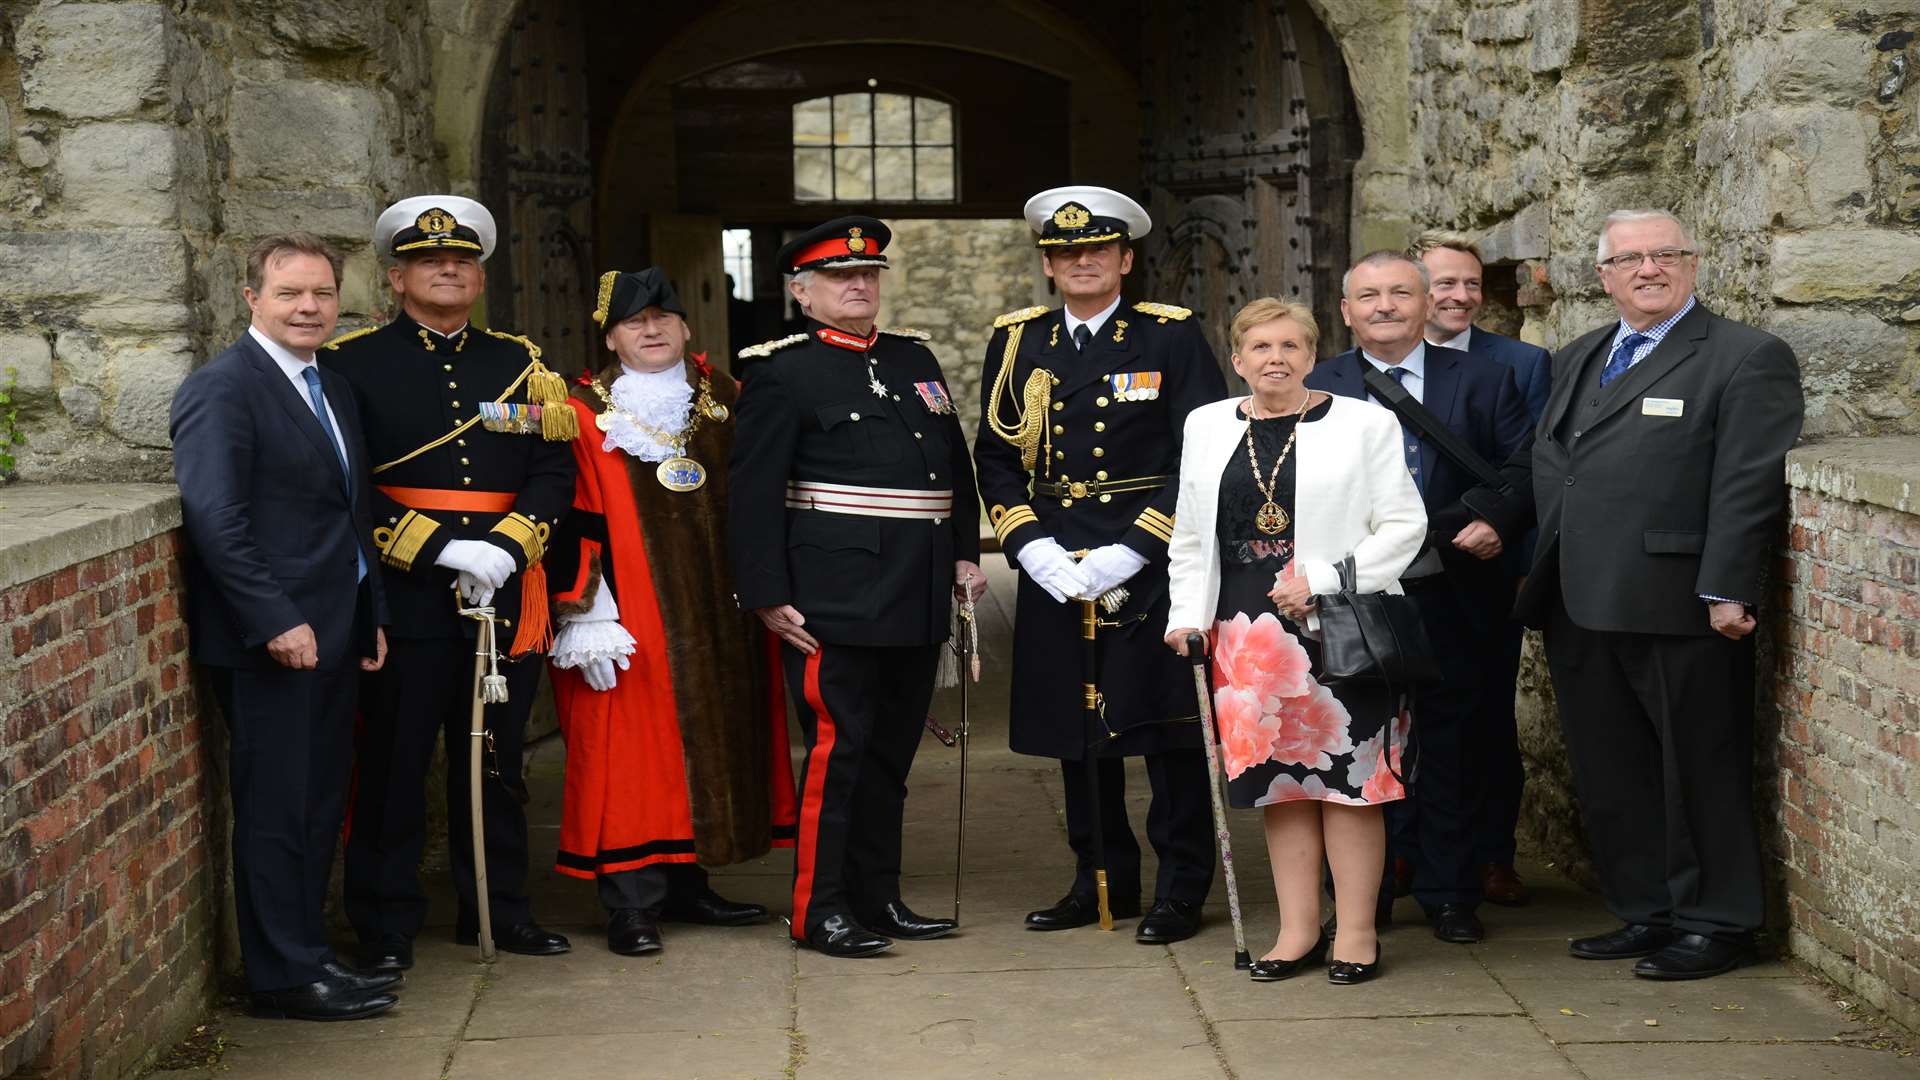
843 242
624 294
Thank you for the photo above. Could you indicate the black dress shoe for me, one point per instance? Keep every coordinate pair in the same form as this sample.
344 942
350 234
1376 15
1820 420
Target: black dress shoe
1348 973
709 908
362 980
896 919
1168 922
327 999
632 932
1694 956
839 935
1631 940
1458 924
388 957
1078 909
1275 970
526 939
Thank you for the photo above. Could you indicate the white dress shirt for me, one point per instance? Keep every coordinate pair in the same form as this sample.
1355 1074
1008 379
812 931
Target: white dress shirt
1458 341
1094 324
1415 365
294 368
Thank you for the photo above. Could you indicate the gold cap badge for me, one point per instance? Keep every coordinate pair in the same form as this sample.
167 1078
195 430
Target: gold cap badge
1071 216
435 220
855 242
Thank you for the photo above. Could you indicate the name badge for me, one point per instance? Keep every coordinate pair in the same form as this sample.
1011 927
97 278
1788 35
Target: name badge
1662 406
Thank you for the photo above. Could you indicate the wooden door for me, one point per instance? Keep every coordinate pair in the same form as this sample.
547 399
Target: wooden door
539 185
1235 95
687 247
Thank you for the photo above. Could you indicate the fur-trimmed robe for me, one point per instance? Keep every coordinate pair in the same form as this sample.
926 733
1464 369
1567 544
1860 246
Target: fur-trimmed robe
685 759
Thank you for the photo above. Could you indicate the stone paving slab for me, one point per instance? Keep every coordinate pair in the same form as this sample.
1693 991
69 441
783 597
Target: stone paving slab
420 1058
1509 957
434 1001
1780 1061
1497 1048
1736 1010
1110 1023
999 944
709 1055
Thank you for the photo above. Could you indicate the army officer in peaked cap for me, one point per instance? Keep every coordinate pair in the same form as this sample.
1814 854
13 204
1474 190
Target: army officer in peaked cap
853 523
468 434
1078 451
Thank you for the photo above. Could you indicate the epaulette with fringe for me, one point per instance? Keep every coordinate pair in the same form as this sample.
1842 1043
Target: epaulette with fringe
343 338
768 348
1163 312
547 389
906 332
1020 316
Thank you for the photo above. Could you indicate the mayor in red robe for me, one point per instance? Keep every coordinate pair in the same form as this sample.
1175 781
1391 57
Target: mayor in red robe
668 699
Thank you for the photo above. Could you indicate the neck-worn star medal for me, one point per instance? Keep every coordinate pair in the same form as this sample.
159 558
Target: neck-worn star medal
873 380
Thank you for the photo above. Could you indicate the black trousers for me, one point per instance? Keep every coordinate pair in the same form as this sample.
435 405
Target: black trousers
1659 734
650 887
1505 774
862 710
424 693
1179 826
290 757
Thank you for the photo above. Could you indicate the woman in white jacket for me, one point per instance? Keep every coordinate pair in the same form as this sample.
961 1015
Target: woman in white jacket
1275 490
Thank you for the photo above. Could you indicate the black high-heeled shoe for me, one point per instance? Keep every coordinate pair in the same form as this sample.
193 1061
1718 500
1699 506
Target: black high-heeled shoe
1275 970
1348 973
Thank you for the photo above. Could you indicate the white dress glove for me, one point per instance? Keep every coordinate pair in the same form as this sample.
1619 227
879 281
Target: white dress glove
485 564
1106 568
594 641
1051 568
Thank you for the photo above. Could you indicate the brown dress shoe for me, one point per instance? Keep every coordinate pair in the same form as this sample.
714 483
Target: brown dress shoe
1500 885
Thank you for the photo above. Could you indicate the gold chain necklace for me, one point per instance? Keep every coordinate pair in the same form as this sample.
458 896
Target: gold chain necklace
1272 518
679 472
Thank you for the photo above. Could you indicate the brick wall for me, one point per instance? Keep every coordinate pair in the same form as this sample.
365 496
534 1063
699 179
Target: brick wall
108 905
1846 686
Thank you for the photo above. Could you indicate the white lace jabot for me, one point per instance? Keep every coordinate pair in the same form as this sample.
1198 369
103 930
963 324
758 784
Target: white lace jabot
660 399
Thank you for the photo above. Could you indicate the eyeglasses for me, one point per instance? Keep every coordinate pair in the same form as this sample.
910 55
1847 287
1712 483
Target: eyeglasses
1631 260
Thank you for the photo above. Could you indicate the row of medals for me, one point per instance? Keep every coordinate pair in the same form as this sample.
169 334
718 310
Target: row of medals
679 472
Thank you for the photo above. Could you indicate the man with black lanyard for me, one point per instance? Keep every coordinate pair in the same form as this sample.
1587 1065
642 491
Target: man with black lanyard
853 525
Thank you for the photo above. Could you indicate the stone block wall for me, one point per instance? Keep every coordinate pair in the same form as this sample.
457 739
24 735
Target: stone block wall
108 891
143 147
1845 697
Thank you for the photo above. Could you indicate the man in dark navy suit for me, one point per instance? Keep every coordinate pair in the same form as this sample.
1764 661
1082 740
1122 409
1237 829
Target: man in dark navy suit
285 608
1459 582
1454 300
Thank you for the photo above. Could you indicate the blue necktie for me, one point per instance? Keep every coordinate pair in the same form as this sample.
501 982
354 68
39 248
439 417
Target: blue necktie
1622 357
318 398
1411 441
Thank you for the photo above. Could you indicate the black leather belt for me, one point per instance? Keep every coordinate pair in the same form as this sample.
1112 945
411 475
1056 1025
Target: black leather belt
1087 489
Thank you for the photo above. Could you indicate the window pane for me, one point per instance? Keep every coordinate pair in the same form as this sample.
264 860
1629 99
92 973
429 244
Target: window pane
852 119
892 119
812 174
813 122
934 179
933 121
893 173
852 174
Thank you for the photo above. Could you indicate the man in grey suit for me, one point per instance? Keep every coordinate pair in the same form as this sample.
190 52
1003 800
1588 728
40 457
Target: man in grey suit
284 608
1658 473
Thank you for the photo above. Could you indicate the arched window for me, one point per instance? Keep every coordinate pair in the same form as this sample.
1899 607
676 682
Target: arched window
873 147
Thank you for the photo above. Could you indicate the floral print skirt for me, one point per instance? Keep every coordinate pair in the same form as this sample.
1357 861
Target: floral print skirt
1284 736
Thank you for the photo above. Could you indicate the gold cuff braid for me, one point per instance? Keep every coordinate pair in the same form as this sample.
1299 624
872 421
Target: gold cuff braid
521 530
402 543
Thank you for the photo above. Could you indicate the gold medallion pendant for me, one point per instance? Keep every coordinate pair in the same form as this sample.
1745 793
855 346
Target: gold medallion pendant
1270 518
681 474
604 421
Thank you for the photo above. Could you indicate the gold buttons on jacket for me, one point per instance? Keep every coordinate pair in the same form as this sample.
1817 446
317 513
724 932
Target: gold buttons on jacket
1058 405
465 520
464 461
1059 455
456 404
1101 475
453 386
466 479
1097 452
1099 425
447 367
1100 401
1059 429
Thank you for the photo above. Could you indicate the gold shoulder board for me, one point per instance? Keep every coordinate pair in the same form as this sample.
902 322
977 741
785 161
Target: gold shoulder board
906 332
768 348
533 351
1020 316
362 332
1163 312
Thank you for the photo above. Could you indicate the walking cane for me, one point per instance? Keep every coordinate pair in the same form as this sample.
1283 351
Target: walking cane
489 687
1090 669
967 645
1197 652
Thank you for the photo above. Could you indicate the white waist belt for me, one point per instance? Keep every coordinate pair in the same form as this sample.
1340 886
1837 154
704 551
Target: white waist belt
870 501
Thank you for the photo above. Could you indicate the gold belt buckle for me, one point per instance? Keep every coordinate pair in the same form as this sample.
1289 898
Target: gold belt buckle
1077 489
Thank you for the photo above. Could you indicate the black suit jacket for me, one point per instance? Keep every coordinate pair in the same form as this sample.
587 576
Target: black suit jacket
272 522
1477 399
1641 514
1531 365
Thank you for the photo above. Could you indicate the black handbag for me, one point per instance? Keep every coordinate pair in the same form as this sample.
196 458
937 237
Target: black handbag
1372 637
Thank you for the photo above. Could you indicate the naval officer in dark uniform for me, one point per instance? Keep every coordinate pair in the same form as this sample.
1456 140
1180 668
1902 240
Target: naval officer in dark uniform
854 523
468 434
1078 451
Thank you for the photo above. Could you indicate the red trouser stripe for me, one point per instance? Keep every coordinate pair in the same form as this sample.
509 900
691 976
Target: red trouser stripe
809 832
